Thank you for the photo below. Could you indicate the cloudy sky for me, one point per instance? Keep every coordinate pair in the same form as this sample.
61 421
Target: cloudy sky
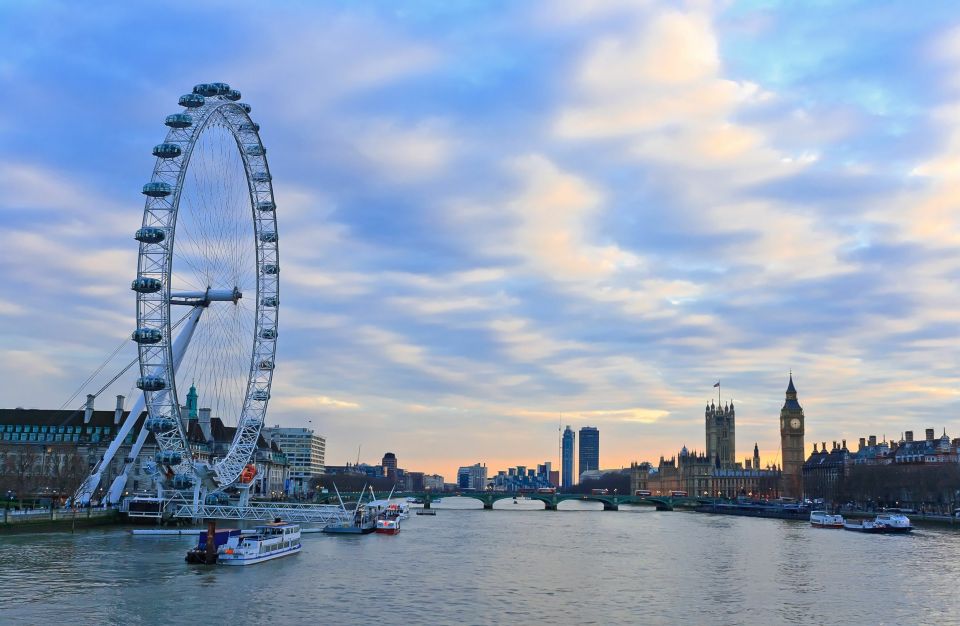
495 214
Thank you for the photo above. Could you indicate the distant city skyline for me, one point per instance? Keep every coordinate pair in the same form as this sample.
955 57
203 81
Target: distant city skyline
492 215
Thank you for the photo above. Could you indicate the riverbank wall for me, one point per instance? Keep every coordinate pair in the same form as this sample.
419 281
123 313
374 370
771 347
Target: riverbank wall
57 520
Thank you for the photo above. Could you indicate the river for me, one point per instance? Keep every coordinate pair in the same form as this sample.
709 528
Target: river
516 564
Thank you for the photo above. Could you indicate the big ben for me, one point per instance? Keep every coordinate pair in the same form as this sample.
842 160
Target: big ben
791 444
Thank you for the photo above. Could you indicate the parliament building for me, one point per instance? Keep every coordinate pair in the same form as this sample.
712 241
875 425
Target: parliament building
714 472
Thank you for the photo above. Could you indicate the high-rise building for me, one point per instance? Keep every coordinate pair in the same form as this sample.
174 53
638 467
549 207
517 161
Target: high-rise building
389 464
305 452
472 477
589 449
569 443
721 435
791 443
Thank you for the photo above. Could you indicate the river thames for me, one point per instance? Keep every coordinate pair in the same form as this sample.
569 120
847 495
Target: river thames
514 565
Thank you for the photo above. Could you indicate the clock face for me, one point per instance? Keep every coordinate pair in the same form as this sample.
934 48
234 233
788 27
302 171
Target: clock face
795 423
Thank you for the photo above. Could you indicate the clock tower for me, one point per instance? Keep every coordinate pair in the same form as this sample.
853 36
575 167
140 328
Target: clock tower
791 444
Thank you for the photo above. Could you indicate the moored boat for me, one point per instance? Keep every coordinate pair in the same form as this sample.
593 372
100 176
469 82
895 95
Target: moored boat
270 541
822 519
387 526
883 523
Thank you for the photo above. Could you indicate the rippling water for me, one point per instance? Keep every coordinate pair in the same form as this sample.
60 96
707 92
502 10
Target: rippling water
520 565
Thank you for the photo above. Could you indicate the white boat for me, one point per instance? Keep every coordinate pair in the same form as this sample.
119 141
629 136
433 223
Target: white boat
883 523
822 519
271 541
390 526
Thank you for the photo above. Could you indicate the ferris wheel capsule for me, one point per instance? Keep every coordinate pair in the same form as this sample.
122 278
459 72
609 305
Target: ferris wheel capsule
157 189
150 234
147 335
151 383
205 89
168 457
167 151
191 100
266 206
271 269
268 237
145 284
233 95
179 120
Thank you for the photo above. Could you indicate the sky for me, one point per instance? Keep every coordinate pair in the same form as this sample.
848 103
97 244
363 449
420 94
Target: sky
497 217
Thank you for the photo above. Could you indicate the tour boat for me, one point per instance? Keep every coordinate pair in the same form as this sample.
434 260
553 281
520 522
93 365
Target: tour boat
822 519
271 541
388 526
883 523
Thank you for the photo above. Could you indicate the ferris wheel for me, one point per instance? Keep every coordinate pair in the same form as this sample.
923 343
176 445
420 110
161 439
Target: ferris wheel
208 271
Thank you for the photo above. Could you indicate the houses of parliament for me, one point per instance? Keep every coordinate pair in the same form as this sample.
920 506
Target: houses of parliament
715 472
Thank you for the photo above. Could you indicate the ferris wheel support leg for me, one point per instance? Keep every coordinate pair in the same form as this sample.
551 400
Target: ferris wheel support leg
89 486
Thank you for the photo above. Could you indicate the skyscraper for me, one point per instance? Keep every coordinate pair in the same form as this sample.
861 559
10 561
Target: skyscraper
589 449
569 441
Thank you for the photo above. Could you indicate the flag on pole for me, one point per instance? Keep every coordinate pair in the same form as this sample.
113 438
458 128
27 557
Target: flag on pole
717 384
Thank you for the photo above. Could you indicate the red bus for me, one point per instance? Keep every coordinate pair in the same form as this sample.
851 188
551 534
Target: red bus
678 494
599 492
642 493
547 490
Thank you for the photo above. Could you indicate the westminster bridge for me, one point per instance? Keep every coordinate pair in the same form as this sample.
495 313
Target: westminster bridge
611 502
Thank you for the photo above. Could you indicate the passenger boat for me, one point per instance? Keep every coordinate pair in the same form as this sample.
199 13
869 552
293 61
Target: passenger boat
822 519
270 541
388 526
883 523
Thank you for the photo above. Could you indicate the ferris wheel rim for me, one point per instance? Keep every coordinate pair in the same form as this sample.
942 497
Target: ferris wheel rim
210 104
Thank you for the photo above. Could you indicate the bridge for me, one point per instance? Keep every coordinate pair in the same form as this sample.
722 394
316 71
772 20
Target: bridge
611 502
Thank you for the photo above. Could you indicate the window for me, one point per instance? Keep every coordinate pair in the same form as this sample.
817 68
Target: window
19 427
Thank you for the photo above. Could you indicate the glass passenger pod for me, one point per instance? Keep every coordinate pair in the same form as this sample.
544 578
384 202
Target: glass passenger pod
260 395
157 190
191 100
222 89
179 120
268 333
167 151
182 481
151 383
256 150
147 335
143 284
266 364
150 234
168 457
268 237
269 301
246 107
233 95
261 177
271 269
266 206
205 89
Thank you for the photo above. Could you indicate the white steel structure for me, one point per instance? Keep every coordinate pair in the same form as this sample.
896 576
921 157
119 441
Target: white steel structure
208 241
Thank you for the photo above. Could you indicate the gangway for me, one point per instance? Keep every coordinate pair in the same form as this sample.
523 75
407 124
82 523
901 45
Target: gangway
268 511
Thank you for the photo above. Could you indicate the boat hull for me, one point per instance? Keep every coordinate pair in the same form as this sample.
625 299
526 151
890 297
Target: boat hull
878 530
349 530
824 525
388 531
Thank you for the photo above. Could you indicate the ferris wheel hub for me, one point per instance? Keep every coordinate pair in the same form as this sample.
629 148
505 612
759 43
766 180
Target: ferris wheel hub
204 298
